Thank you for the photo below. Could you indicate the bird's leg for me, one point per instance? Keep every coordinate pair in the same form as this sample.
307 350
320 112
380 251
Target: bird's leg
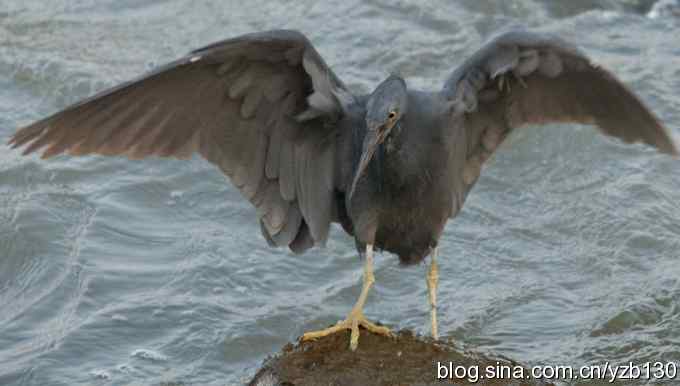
356 317
432 280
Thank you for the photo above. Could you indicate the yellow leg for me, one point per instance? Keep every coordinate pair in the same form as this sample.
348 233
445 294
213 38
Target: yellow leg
356 317
432 280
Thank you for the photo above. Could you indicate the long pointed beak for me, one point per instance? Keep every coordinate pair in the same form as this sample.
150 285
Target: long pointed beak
373 139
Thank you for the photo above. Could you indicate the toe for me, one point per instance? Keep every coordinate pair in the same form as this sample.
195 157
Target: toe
374 328
354 337
321 333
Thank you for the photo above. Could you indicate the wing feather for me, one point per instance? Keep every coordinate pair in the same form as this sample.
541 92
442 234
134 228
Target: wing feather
235 102
522 78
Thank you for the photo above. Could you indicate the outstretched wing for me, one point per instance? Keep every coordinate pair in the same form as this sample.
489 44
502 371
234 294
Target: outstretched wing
259 106
522 78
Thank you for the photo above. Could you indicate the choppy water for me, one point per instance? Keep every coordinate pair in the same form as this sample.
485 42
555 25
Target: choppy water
114 272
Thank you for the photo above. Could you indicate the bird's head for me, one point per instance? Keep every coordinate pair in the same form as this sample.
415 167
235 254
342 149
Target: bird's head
384 110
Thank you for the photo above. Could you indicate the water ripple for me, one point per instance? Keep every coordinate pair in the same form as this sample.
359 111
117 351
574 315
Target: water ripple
121 272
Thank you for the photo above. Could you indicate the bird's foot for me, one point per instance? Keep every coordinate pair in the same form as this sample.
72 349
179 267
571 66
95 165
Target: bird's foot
355 319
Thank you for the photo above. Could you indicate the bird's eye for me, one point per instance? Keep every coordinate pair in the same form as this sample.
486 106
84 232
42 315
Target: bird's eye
391 115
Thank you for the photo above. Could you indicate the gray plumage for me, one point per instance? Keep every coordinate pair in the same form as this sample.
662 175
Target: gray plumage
392 167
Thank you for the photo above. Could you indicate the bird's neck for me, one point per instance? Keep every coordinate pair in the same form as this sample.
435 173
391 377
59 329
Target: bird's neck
377 167
387 168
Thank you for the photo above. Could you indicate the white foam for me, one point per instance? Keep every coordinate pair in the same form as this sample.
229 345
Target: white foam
125 368
664 8
100 374
149 354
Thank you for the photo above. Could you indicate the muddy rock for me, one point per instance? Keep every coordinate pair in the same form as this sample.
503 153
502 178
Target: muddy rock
405 360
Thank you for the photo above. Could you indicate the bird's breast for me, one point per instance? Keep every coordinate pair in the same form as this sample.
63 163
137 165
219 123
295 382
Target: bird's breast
411 218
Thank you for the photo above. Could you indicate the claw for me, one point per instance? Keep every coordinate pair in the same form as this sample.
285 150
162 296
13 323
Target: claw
354 320
356 317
